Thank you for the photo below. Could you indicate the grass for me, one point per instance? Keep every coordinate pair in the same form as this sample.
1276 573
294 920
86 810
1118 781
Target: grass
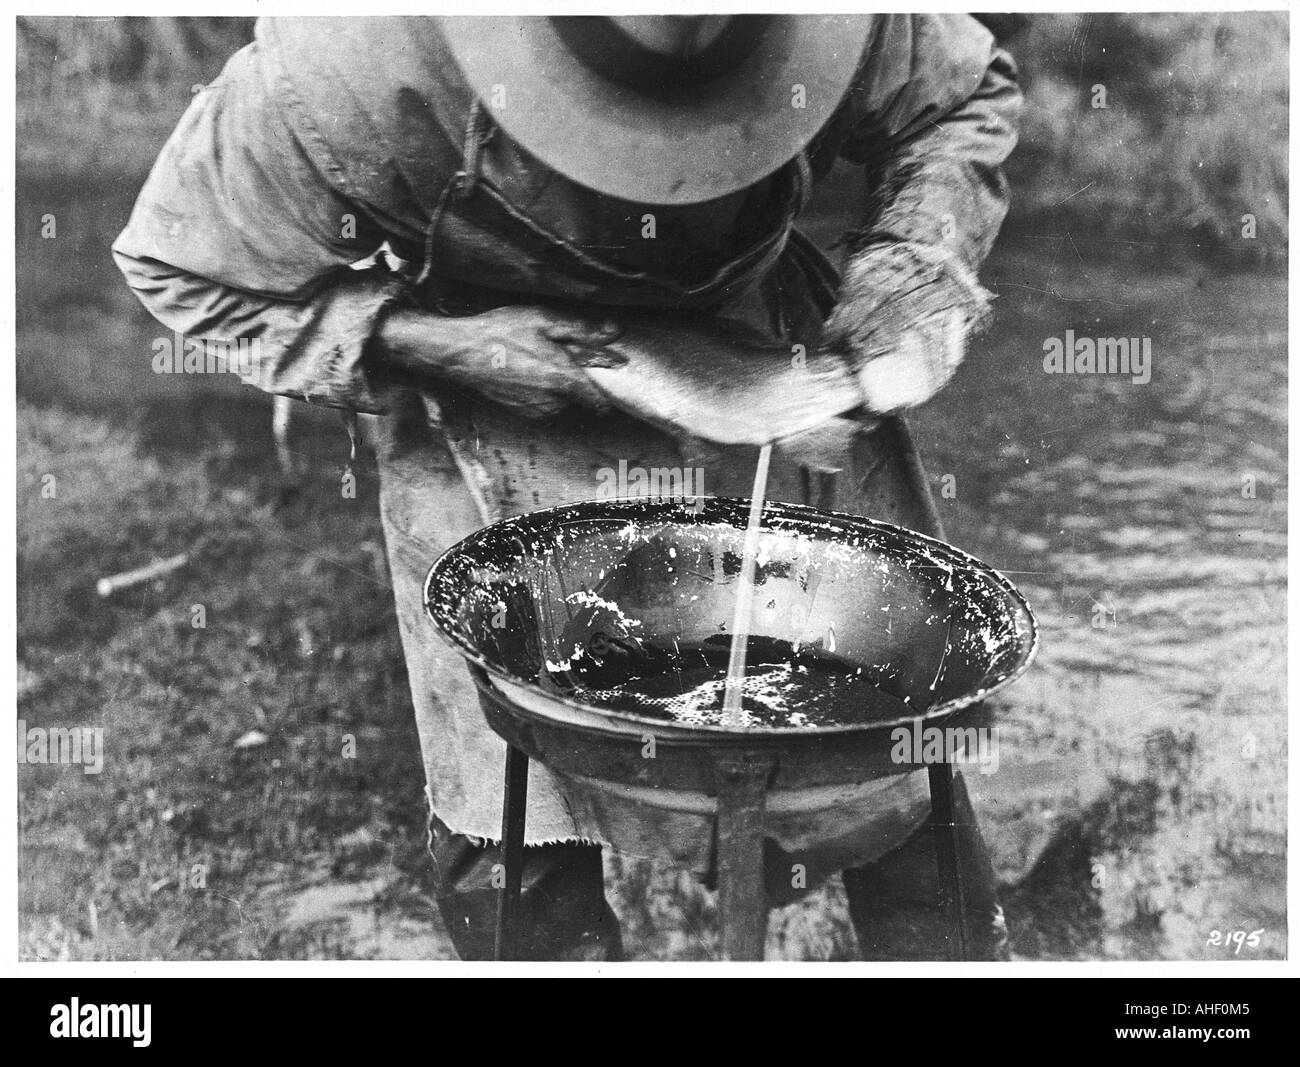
297 646
1193 134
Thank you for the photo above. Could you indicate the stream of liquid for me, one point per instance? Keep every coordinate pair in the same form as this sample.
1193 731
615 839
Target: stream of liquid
733 711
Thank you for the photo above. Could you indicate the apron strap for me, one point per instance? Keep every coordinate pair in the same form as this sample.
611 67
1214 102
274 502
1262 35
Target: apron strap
461 184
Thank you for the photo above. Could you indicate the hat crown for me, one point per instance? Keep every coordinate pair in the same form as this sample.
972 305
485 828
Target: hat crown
667 128
661 54
672 36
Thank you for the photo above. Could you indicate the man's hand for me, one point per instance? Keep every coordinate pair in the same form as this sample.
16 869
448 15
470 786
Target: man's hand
528 359
905 369
904 316
910 367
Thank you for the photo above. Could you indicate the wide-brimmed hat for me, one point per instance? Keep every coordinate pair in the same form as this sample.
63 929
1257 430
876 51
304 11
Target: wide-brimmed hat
586 99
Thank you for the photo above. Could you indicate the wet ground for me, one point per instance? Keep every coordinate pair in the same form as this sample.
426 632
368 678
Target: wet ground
1147 525
1140 797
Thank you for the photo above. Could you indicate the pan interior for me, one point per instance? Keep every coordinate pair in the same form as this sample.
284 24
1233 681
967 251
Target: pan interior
624 607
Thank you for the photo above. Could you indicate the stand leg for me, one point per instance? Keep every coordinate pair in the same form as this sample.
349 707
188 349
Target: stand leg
742 907
512 835
947 847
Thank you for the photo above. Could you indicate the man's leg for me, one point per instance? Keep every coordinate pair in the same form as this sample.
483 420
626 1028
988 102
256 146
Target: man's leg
894 903
563 912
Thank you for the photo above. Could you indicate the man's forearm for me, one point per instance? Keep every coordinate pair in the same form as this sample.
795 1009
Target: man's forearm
411 344
935 178
311 350
910 296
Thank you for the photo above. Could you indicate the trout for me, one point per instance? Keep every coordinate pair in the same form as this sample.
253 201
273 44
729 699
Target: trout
720 382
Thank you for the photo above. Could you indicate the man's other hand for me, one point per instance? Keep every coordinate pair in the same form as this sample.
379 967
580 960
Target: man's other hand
905 314
908 368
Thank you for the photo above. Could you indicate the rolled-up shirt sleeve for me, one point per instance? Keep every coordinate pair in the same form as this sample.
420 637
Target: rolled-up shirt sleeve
237 237
933 116
937 114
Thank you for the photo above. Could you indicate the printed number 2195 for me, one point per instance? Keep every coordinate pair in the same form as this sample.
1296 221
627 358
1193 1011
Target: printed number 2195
1236 937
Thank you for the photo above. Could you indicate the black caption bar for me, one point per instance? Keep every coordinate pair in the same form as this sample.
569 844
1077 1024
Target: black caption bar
297 1016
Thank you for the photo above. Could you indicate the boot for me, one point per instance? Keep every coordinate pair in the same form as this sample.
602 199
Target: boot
563 914
894 903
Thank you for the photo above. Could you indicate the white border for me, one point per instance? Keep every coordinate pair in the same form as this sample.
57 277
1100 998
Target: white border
279 969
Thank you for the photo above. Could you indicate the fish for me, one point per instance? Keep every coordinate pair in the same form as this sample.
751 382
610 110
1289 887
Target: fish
719 381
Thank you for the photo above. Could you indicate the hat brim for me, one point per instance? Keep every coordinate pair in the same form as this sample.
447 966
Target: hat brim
644 148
